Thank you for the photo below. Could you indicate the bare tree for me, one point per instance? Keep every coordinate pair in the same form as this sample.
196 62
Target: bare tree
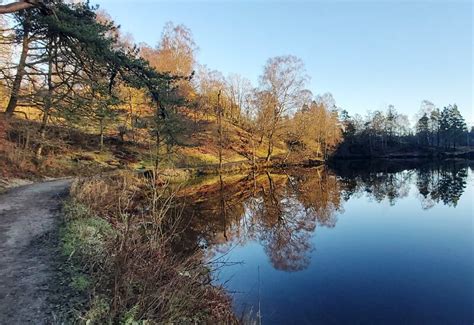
208 83
283 81
177 50
314 130
238 89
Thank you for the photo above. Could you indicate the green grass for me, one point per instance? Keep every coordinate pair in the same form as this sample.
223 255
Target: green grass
190 157
98 309
83 234
80 282
86 237
83 240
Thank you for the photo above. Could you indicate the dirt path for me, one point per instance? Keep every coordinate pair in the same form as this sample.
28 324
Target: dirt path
28 220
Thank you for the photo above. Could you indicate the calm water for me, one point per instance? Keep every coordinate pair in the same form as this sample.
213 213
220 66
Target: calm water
357 244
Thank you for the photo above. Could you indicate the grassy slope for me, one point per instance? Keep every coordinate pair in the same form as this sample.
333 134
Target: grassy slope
71 151
200 143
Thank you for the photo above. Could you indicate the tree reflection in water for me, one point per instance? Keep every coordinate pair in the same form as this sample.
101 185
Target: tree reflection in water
281 210
441 185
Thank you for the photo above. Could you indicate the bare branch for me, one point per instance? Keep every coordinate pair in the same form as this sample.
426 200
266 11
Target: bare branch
17 6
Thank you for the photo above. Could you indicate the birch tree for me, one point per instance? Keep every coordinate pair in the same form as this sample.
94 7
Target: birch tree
283 81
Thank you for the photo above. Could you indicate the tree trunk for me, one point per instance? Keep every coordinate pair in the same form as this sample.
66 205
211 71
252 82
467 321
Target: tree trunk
270 147
20 72
42 132
157 152
253 152
101 134
132 119
219 121
48 102
27 140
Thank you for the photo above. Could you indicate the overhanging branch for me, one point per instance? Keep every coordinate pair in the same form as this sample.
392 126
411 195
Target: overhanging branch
17 6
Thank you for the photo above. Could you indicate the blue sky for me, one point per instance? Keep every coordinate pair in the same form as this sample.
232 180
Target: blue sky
367 54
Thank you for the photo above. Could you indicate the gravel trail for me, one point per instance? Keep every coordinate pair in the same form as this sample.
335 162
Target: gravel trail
28 251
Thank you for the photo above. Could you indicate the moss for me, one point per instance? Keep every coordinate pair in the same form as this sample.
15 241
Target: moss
83 234
83 239
99 309
80 282
74 210
86 237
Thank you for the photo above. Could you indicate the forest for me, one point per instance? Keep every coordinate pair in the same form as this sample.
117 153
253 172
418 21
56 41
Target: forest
67 68
80 98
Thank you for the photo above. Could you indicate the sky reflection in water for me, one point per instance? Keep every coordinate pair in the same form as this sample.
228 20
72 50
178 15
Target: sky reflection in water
354 244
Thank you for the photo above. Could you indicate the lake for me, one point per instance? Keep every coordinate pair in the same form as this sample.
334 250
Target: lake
359 243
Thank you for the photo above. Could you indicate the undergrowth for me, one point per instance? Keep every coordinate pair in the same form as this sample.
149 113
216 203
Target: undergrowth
118 239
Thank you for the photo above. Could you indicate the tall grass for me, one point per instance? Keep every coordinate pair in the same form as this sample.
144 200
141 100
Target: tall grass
136 274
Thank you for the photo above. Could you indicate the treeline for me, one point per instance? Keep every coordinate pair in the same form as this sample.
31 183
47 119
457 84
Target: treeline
444 127
75 68
385 132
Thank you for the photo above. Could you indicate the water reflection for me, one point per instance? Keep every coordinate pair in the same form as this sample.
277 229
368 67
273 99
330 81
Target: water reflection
436 182
281 210
287 213
441 185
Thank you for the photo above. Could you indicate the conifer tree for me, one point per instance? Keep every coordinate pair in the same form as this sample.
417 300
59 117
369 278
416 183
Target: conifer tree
422 129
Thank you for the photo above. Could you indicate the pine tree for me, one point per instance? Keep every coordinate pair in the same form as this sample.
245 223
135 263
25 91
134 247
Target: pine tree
423 129
348 126
445 126
435 126
458 125
452 125
391 122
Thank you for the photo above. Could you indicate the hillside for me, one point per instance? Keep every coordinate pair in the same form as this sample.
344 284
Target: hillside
76 151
